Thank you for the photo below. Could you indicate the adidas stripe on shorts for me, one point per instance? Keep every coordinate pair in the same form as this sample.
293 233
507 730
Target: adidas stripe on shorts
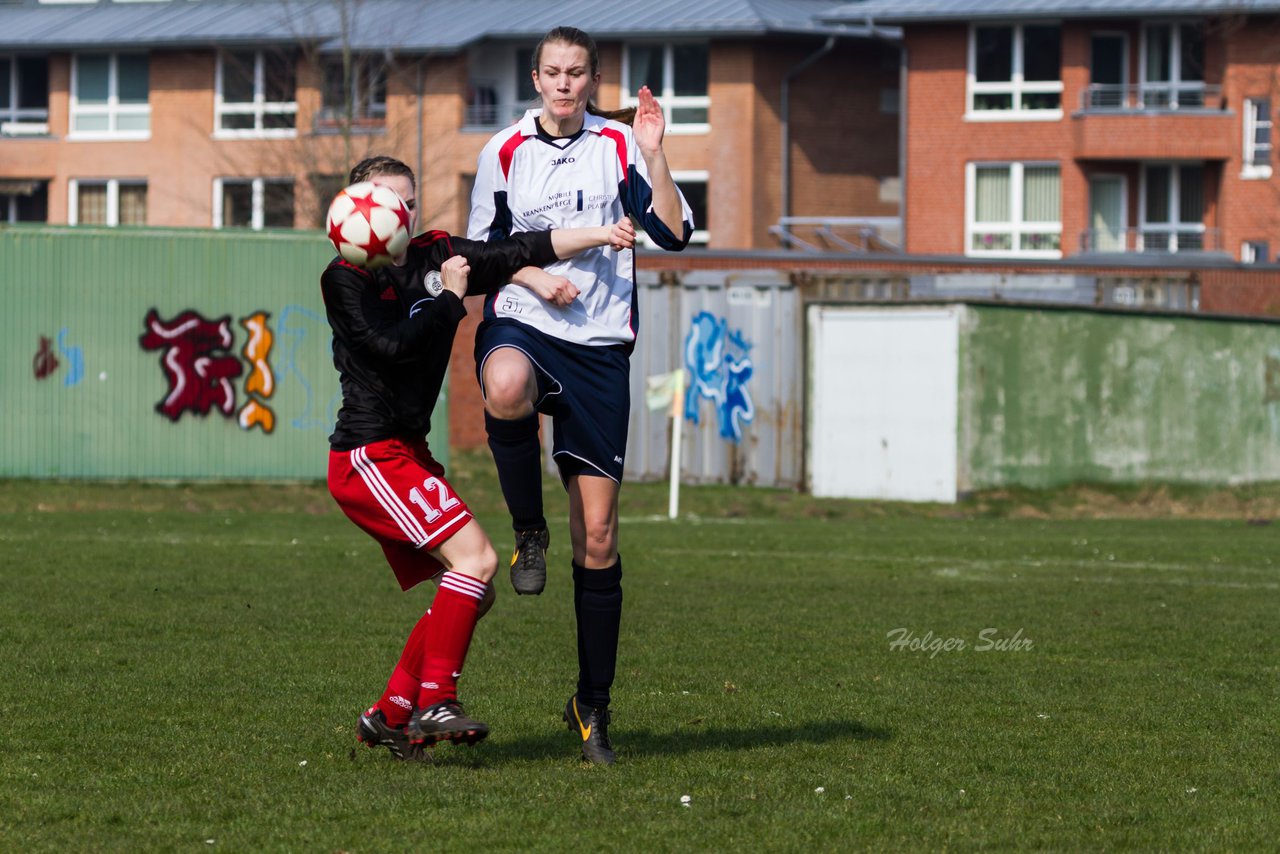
397 493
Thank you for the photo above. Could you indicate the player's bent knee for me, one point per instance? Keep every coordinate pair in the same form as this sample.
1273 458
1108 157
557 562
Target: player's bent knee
481 564
601 545
490 594
470 553
509 389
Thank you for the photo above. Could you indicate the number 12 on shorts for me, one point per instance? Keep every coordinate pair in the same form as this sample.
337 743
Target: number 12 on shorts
433 511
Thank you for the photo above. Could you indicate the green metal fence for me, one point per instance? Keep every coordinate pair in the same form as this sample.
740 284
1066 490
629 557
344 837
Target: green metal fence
1051 397
183 354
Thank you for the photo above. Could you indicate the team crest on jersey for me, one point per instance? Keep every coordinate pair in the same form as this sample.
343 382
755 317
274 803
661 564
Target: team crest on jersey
433 283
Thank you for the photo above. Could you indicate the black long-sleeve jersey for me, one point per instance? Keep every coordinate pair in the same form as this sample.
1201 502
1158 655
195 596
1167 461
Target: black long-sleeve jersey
392 339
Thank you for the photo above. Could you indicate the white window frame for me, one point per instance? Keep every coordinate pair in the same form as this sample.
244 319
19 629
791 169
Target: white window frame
667 97
1016 226
113 108
258 107
485 64
1123 96
259 188
376 119
113 197
1250 150
9 206
15 121
1175 86
1174 226
1016 87
1125 230
701 236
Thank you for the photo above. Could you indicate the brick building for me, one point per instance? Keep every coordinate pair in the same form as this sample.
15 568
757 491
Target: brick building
1049 130
247 114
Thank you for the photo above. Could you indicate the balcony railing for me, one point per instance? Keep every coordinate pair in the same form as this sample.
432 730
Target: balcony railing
494 116
335 120
1152 239
1150 97
854 234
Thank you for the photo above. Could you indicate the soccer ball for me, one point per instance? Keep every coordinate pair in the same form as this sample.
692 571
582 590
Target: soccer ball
368 224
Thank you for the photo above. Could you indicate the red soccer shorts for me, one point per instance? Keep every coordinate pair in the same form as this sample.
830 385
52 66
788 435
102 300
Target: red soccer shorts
396 491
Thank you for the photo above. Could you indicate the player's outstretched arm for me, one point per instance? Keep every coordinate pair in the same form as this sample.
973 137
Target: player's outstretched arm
570 241
494 263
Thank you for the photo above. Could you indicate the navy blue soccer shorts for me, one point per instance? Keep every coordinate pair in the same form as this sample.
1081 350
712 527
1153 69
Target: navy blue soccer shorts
585 390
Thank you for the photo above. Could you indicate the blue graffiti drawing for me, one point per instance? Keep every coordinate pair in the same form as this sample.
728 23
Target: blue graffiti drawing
296 323
74 357
717 359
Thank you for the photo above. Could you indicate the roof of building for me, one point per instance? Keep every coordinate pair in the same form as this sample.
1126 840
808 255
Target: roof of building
401 26
928 11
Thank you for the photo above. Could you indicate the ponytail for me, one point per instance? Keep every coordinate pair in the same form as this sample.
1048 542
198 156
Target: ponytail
626 115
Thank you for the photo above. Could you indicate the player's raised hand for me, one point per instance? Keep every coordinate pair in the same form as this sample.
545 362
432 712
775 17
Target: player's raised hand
454 273
623 234
649 124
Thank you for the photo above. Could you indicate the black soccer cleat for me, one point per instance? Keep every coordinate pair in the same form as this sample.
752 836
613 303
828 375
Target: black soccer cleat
529 561
445 721
373 730
593 726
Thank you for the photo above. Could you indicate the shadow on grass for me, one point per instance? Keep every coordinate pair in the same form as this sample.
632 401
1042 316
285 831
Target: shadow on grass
686 739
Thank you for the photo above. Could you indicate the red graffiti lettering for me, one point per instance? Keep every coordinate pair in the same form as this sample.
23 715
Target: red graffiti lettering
196 363
44 363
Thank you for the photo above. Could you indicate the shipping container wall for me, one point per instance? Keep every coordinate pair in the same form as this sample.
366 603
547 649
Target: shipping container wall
1053 397
166 354
737 335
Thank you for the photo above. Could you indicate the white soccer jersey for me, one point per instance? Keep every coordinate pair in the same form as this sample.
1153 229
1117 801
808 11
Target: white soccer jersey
526 183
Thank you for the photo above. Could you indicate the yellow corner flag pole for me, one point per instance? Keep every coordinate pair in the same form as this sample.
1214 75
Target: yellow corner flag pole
677 416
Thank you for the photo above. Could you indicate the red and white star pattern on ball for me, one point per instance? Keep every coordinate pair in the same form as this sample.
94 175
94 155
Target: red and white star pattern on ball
368 224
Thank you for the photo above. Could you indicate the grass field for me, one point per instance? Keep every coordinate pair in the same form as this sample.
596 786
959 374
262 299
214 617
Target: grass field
183 667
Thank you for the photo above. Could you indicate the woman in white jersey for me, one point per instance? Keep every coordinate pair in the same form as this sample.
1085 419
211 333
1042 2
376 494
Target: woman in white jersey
569 164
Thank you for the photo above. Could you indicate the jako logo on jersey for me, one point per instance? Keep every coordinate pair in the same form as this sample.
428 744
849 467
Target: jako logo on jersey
560 161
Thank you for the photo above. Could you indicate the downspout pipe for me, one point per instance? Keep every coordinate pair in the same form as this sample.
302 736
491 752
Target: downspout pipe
785 108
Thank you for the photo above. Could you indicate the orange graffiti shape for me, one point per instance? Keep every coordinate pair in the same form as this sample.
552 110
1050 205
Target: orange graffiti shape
254 414
261 380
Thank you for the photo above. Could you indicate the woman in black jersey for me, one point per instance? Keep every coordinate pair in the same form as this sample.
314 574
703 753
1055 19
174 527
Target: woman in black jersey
393 331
